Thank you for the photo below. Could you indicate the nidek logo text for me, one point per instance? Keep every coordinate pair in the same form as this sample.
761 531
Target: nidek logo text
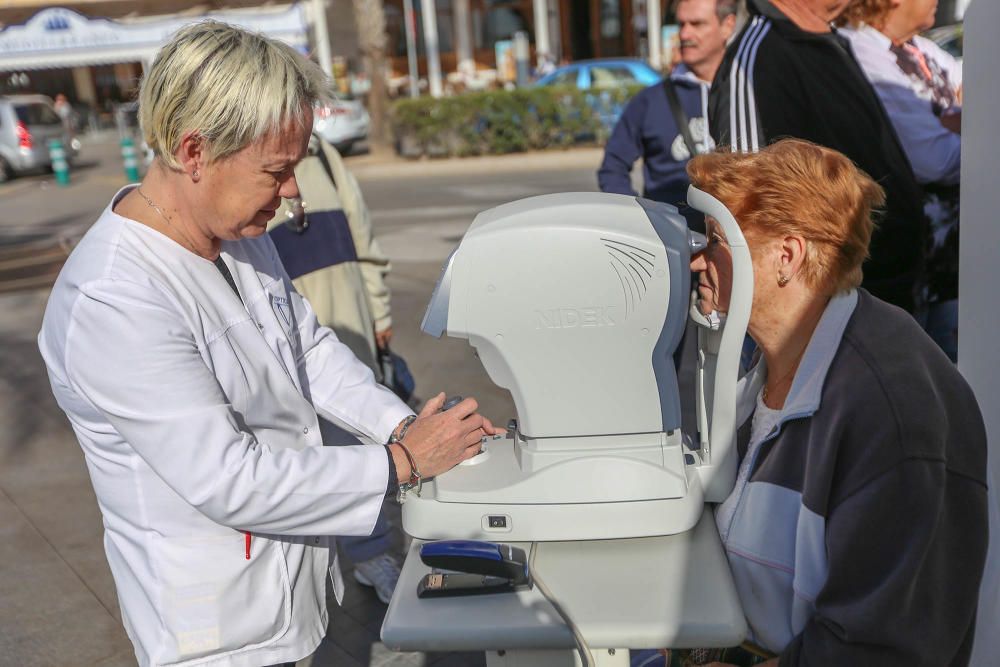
571 318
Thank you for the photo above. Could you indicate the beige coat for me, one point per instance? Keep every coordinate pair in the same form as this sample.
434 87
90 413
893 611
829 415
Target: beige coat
351 297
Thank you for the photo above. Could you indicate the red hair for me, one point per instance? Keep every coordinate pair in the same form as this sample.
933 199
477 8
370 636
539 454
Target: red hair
872 12
795 187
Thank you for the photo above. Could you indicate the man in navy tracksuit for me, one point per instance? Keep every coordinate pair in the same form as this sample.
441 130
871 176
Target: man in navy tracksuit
647 128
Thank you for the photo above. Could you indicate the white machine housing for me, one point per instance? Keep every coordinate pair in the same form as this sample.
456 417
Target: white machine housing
575 303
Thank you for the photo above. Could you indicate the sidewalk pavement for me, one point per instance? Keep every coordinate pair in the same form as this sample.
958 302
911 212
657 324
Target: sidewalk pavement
386 166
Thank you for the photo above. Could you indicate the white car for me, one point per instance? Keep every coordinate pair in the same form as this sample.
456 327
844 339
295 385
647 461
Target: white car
27 124
949 38
341 123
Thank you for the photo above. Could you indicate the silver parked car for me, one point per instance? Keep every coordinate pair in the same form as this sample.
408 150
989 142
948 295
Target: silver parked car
341 123
27 123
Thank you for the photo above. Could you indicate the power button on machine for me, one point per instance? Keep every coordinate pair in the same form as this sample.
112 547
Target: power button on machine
497 523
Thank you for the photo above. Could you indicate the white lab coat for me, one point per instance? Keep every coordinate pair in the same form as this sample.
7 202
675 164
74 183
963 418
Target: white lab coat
197 415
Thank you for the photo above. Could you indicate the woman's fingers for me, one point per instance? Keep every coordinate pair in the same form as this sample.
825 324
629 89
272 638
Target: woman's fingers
432 406
490 429
469 452
472 438
472 423
464 409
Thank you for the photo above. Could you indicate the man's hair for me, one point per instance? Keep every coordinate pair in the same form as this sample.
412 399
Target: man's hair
872 12
230 86
723 8
796 187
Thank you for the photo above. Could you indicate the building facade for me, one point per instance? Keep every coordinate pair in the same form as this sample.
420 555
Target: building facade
94 51
575 29
97 61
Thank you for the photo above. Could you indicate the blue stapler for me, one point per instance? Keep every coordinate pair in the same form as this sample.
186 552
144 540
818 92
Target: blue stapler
472 567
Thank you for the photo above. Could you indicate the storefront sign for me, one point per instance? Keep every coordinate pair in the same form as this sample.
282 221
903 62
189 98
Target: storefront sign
55 35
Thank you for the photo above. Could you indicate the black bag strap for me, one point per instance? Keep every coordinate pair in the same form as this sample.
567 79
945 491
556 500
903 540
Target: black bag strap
321 154
680 118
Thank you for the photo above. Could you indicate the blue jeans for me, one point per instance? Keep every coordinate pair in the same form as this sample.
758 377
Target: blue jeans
359 547
940 321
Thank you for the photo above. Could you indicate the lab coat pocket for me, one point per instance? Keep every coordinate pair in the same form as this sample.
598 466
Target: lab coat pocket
282 310
216 602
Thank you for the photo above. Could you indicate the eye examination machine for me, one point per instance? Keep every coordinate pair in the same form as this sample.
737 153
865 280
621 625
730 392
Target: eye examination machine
576 304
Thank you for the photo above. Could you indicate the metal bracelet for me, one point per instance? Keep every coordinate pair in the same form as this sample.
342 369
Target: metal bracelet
406 423
416 479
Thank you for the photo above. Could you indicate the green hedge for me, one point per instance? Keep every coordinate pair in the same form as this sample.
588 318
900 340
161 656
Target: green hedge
502 121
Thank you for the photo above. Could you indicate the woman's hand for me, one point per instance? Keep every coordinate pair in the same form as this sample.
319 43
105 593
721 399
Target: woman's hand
382 338
952 121
439 441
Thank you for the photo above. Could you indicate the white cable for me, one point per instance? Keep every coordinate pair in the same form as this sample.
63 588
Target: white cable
586 657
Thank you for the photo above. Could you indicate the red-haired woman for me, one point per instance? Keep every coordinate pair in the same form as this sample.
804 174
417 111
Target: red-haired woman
857 529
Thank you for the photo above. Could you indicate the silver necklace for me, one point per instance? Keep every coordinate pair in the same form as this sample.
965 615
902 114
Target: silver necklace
790 374
149 202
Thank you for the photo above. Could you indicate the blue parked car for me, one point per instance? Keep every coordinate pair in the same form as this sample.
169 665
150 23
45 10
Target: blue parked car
602 73
598 76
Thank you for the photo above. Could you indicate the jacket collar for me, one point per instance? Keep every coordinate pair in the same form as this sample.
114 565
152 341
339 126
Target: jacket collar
681 73
781 22
807 386
871 34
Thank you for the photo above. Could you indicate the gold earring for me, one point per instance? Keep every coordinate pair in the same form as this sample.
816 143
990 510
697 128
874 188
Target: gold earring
783 280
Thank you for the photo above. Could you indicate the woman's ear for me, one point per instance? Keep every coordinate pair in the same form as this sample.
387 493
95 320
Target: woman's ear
791 255
192 154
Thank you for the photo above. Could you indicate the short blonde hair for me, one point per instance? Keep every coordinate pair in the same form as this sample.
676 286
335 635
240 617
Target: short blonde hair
797 187
229 85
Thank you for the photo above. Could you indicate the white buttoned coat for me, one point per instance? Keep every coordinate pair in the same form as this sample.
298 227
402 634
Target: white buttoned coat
197 414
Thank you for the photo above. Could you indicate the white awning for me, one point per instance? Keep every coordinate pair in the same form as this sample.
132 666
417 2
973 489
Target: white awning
57 37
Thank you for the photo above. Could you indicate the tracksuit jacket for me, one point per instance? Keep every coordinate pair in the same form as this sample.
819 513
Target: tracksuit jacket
778 81
860 529
647 130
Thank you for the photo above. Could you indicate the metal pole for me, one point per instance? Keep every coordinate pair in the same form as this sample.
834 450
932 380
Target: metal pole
653 18
979 300
429 16
522 57
542 48
410 24
322 36
463 40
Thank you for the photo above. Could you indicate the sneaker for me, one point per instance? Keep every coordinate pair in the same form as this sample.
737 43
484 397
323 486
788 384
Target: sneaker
381 573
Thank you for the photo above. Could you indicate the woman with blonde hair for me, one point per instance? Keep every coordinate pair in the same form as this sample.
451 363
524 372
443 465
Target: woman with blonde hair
194 375
857 528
